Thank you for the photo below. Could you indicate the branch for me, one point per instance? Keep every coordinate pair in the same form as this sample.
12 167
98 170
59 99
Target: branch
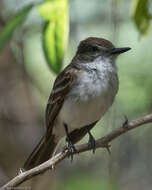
102 142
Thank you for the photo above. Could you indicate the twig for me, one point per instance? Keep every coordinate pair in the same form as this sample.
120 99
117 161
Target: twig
102 142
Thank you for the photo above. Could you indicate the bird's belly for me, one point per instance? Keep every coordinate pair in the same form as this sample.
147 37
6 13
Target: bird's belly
77 114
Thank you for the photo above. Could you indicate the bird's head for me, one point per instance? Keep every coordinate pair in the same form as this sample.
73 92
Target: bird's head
94 47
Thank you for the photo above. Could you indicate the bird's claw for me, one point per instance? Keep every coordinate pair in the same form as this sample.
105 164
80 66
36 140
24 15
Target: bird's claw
92 142
71 148
125 124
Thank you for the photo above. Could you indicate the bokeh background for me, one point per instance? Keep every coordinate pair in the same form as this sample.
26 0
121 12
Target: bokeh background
26 82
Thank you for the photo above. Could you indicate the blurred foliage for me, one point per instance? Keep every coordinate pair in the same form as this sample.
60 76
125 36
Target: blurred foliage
12 25
141 15
25 88
84 182
55 32
56 26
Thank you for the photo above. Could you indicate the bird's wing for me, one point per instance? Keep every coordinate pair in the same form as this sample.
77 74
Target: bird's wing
60 90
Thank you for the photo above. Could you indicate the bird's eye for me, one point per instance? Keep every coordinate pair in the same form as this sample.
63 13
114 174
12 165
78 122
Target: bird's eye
95 48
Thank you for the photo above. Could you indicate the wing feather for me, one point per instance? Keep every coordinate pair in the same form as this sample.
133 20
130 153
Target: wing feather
59 92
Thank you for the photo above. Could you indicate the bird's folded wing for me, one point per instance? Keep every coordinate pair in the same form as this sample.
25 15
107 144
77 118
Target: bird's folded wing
59 92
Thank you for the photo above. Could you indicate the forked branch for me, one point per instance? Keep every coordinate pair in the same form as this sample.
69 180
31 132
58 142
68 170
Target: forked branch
100 143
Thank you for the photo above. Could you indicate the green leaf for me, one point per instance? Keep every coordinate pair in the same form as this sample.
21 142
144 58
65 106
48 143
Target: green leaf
51 9
55 32
141 15
11 26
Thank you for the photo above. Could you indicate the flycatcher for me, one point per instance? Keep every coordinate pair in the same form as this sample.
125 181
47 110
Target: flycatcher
82 93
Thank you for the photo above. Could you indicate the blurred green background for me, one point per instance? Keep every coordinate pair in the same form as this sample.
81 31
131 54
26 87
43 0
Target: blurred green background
27 76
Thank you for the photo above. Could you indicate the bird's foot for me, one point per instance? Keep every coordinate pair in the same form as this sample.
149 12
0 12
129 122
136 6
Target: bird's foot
91 142
125 124
71 148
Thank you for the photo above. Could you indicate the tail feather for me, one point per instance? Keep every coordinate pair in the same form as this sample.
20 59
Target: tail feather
41 153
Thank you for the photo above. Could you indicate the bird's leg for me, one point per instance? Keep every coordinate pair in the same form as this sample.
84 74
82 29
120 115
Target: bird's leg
125 124
91 142
71 148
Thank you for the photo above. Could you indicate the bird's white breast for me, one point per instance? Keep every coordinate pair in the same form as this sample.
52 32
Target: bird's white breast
90 97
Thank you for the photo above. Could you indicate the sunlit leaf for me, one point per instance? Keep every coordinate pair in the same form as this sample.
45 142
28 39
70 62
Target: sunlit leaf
141 15
50 9
11 26
55 33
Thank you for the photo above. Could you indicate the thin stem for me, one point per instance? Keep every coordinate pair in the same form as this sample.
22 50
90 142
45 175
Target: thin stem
100 143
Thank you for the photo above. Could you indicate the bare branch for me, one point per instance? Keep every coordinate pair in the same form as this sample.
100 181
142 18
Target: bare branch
102 142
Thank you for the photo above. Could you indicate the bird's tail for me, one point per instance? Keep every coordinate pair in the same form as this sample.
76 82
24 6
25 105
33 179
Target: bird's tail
41 153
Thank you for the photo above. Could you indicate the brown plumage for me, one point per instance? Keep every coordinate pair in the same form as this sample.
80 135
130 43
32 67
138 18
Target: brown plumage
47 144
63 83
63 97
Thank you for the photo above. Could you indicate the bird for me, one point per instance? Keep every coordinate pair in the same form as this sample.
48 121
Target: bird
82 93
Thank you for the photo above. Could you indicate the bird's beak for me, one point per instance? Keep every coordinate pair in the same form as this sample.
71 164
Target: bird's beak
119 50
